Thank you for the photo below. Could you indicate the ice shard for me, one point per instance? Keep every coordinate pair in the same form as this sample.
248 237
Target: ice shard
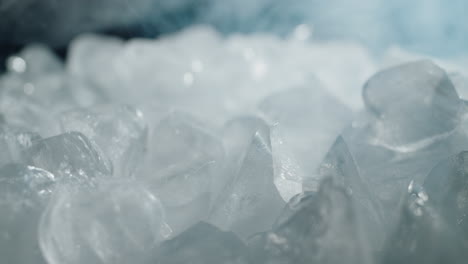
250 201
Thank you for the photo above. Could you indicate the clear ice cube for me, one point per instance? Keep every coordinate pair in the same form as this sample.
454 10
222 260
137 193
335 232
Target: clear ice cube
114 223
71 157
413 103
339 164
307 120
447 188
24 193
120 132
184 157
250 201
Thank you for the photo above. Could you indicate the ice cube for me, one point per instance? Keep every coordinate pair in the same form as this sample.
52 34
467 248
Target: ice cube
117 222
39 59
119 130
20 106
414 104
70 157
250 201
24 193
422 235
320 227
13 141
447 188
201 244
339 164
90 54
184 158
308 120
389 171
32 97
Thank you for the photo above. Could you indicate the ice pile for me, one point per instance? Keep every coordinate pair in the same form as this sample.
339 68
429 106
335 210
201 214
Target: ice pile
196 148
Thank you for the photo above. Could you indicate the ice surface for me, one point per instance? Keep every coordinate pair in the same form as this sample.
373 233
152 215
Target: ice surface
413 103
71 157
119 131
320 227
250 201
24 193
119 223
389 172
201 244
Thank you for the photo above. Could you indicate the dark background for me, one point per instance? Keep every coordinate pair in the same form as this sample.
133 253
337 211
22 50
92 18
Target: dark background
436 27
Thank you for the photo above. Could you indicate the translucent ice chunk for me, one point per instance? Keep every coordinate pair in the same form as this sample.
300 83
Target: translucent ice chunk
119 131
21 105
422 236
308 121
414 104
89 54
31 97
24 193
340 165
184 158
250 202
447 188
319 227
389 172
39 59
201 244
13 141
116 223
70 157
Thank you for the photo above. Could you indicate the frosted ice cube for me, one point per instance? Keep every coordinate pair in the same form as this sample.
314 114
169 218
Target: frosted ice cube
320 227
414 104
184 157
201 244
250 201
118 223
70 157
118 130
422 235
24 193
308 120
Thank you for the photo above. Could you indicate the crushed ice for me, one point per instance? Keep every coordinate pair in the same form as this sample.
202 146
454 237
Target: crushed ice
198 148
